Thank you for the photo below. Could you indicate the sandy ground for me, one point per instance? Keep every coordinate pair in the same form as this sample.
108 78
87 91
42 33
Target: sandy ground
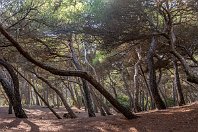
177 119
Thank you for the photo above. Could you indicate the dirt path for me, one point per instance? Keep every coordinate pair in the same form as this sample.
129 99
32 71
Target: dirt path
179 119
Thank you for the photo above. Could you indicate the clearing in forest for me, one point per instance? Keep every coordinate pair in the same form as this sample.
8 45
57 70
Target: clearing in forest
183 119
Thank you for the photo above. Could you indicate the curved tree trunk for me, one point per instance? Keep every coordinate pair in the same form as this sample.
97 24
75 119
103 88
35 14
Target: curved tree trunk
37 93
15 95
152 76
191 75
19 112
125 111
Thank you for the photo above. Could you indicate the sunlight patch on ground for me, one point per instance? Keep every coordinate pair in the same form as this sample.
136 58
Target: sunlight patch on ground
182 110
132 129
184 119
101 129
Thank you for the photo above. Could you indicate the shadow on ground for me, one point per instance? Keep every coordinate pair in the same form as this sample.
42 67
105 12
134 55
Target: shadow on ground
183 119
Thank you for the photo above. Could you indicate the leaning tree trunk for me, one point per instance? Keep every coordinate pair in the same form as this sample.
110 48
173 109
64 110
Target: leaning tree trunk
97 102
37 93
177 83
82 74
45 102
152 76
191 75
89 101
127 88
19 112
70 88
15 95
67 107
148 88
102 106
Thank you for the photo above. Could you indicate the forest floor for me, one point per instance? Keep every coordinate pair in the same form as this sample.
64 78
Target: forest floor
179 119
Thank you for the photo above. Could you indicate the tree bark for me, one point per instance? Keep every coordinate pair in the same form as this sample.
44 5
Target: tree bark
67 107
15 95
89 101
34 88
191 75
127 88
148 88
126 112
76 103
177 82
136 82
19 112
10 108
152 76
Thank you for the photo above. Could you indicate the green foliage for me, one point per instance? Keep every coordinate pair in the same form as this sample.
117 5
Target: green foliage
170 102
96 9
124 100
99 58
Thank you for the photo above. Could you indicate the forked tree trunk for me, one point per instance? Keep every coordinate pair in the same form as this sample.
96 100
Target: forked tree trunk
152 76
